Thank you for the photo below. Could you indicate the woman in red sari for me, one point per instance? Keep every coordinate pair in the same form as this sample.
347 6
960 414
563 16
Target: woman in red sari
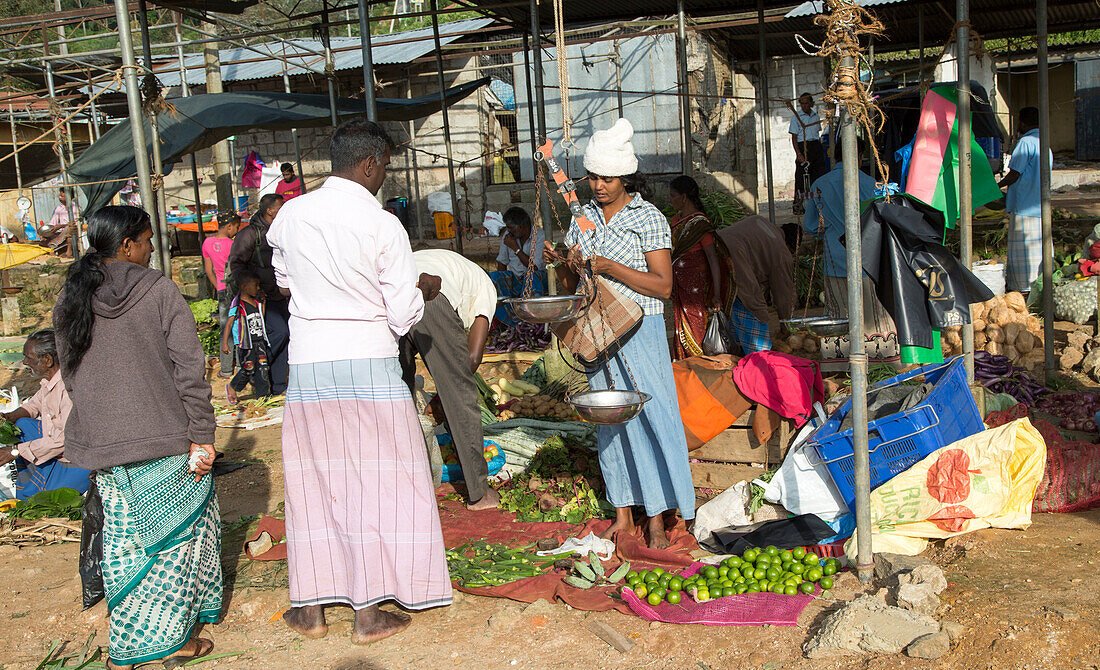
699 277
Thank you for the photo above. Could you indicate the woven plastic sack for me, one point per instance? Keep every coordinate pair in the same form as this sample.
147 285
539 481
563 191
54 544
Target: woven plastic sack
1075 300
987 480
747 609
1071 479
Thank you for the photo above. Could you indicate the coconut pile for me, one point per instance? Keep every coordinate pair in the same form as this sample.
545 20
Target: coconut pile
1003 326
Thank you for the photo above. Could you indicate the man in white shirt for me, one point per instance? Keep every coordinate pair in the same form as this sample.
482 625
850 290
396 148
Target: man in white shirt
518 250
450 337
810 161
362 523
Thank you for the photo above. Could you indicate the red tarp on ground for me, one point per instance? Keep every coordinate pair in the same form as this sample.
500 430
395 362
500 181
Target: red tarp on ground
461 525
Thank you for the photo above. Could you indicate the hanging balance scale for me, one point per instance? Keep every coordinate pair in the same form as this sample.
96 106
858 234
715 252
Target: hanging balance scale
607 406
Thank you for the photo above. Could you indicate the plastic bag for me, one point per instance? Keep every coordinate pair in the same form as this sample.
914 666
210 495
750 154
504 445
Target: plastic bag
803 485
729 508
987 480
91 547
716 341
1075 300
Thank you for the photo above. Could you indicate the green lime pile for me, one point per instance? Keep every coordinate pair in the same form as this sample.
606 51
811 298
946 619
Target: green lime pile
767 570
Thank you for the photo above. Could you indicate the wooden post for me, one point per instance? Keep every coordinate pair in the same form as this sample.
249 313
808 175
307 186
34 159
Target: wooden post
12 322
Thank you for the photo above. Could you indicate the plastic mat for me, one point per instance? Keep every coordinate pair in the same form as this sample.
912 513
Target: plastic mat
747 609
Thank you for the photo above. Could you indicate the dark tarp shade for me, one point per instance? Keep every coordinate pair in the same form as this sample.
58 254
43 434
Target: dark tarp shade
201 121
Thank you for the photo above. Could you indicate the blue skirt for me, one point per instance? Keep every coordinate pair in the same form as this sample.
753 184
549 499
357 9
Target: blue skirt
645 460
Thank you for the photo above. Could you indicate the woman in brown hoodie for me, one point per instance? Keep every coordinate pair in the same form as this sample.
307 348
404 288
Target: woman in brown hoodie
148 436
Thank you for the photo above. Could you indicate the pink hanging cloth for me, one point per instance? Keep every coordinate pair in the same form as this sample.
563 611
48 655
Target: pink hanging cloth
787 384
253 170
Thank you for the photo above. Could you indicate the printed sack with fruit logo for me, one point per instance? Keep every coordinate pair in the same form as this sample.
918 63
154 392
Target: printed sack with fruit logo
987 480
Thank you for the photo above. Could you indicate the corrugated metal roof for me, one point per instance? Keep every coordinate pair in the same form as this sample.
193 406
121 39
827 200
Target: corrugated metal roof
240 64
815 7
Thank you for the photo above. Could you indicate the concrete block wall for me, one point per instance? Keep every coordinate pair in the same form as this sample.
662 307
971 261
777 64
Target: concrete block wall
787 79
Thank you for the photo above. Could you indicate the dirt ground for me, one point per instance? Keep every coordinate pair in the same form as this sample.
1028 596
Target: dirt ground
1027 599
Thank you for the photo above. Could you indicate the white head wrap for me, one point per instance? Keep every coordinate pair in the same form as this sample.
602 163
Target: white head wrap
609 152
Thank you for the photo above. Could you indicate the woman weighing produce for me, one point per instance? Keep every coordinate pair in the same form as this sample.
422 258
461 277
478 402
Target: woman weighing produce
644 461
142 419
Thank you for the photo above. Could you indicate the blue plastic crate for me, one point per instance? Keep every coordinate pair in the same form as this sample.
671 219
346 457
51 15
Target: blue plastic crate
899 441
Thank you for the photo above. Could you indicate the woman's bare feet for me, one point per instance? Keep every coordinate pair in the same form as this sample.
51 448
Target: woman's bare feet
372 624
491 500
308 621
196 647
624 520
658 538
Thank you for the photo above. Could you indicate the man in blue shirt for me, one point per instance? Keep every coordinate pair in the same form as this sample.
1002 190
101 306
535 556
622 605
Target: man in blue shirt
825 219
1024 204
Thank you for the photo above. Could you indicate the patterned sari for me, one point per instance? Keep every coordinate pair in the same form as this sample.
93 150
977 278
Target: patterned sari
691 289
162 569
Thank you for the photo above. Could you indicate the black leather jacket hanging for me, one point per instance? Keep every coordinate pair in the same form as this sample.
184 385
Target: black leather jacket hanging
919 282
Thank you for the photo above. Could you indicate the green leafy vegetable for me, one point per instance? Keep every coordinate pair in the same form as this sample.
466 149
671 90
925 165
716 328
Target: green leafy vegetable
63 502
9 433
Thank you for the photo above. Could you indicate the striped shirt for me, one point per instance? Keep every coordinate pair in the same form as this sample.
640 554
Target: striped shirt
634 231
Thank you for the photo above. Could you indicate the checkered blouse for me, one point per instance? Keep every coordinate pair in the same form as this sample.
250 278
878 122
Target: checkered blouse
634 231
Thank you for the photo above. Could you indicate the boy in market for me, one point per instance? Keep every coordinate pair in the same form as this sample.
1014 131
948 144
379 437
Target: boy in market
246 325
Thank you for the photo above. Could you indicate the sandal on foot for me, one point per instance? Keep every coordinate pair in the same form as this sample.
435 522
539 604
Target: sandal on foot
203 647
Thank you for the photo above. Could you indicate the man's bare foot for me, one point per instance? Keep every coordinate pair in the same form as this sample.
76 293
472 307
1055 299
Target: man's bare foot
658 538
491 500
372 624
624 520
230 394
309 621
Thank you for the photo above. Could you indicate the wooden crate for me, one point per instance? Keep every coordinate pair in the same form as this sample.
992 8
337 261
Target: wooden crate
728 458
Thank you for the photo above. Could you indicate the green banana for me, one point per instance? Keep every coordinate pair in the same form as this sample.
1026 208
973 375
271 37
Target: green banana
584 571
594 561
573 580
619 573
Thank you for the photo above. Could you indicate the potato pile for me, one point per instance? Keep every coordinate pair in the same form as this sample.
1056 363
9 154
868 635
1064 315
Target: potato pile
1002 326
799 344
538 406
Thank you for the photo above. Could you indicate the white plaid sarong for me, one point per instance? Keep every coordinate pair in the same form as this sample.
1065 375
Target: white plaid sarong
1025 251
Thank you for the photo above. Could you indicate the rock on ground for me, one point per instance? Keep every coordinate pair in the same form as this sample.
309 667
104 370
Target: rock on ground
1070 357
933 645
953 629
867 625
925 574
889 565
1078 339
920 598
1091 363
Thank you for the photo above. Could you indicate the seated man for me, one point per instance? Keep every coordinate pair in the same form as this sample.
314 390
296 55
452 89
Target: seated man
518 249
42 421
450 337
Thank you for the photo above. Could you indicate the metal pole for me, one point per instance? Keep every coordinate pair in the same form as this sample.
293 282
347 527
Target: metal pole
185 91
1044 187
446 123
540 111
233 169
92 109
14 146
368 62
966 209
857 357
415 171
920 44
618 79
685 102
133 104
223 182
765 112
160 214
294 136
327 42
69 195
530 98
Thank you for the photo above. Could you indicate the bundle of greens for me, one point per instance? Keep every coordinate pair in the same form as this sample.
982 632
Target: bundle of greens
562 483
9 434
64 503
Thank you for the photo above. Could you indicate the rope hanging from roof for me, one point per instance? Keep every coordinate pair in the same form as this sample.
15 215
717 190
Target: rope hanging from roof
844 24
563 70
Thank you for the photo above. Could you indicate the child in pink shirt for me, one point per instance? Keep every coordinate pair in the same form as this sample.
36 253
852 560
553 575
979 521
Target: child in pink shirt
215 256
